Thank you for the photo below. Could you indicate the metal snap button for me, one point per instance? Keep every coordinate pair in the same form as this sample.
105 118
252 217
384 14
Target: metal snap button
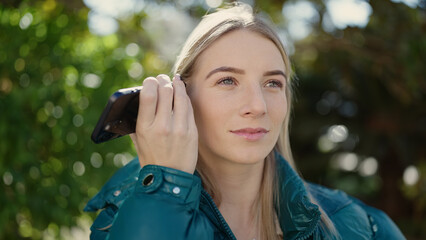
148 180
117 193
176 190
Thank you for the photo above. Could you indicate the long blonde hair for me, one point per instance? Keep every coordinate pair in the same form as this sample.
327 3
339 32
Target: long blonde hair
211 28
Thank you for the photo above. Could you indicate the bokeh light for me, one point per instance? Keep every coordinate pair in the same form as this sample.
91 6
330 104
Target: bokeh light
78 168
411 175
132 49
26 21
410 3
91 80
337 133
345 13
368 167
345 161
300 14
213 3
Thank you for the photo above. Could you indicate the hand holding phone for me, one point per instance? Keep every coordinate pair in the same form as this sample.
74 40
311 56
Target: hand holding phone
160 120
166 133
119 116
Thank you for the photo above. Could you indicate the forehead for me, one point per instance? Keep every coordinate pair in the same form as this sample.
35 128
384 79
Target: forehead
242 48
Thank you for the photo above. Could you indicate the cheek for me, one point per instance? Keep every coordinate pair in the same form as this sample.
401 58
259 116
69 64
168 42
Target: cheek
277 109
205 112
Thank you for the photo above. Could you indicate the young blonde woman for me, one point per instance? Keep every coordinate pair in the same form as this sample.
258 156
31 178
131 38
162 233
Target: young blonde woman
214 159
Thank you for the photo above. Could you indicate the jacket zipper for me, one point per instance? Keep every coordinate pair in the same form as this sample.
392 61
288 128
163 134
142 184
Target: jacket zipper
218 215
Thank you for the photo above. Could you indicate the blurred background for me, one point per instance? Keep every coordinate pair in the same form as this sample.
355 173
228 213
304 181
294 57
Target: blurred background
359 121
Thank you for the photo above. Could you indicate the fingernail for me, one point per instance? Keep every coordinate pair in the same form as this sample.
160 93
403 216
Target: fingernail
177 76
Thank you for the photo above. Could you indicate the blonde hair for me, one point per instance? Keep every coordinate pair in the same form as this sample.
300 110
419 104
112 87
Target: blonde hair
211 28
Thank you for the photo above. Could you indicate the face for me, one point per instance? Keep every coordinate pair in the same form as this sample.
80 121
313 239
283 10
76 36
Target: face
238 94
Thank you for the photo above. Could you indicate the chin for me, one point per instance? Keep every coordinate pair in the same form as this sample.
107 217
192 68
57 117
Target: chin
249 157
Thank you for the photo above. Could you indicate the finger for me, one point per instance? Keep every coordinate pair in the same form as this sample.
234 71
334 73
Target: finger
181 102
165 98
147 102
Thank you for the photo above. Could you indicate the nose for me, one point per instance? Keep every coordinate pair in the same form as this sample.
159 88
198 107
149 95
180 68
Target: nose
254 104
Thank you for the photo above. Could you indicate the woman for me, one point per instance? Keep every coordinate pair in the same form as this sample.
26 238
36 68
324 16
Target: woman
214 160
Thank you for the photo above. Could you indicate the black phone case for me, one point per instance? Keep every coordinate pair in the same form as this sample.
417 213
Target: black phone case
119 116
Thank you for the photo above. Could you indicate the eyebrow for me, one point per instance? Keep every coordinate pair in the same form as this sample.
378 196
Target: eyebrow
275 72
240 71
225 69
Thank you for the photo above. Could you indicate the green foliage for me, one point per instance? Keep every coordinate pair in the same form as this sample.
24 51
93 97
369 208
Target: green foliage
55 79
56 76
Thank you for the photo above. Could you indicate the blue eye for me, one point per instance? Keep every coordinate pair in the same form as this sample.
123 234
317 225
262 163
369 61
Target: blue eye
226 81
274 84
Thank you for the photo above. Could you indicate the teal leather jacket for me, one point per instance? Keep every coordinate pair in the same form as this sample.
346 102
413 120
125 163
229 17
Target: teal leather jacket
157 202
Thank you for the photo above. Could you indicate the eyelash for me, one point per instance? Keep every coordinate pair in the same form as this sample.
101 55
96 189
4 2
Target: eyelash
279 84
221 81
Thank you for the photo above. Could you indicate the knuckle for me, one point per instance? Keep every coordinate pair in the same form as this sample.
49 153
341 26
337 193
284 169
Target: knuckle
180 132
164 131
167 89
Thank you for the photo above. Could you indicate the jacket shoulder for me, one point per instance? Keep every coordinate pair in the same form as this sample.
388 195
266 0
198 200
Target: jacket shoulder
330 200
381 224
353 218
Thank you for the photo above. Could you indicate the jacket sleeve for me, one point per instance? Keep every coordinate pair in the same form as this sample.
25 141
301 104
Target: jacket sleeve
360 221
381 224
163 205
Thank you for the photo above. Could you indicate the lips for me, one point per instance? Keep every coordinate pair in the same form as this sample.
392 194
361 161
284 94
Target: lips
251 134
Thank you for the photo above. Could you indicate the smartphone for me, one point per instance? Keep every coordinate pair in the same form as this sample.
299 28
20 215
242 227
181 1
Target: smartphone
119 116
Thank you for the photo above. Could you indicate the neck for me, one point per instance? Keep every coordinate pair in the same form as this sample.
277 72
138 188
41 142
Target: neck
238 186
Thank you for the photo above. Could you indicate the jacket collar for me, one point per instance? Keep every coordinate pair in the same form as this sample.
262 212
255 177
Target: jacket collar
297 215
